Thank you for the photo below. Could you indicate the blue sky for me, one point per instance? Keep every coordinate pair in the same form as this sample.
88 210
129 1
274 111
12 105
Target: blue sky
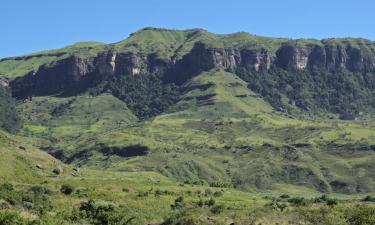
33 25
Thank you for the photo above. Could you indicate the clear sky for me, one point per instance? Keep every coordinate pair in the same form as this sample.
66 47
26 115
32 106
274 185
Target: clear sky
33 25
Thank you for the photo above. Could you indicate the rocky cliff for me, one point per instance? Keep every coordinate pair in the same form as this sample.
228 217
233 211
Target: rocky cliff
177 60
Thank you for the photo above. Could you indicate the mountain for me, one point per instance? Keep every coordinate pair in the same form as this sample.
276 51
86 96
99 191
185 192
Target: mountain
252 112
342 66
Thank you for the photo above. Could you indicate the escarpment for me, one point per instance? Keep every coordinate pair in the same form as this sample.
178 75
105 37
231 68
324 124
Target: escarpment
327 56
144 58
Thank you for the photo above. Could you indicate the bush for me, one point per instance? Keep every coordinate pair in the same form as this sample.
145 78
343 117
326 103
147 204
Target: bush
220 184
102 214
369 198
284 196
143 194
332 202
207 192
218 194
6 187
210 202
298 201
217 209
126 190
67 189
200 203
326 199
178 203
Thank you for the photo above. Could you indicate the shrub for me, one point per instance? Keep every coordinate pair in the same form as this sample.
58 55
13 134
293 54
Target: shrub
284 196
207 192
220 184
332 202
102 214
200 203
6 187
143 194
126 190
178 203
217 209
218 194
298 201
369 198
67 189
210 202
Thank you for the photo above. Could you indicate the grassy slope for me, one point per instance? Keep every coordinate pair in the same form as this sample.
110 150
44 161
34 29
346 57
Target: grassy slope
188 147
19 66
63 122
18 161
220 130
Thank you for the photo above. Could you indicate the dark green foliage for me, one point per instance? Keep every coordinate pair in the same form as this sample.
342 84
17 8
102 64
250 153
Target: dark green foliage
326 199
67 189
145 94
9 119
200 203
337 91
284 196
218 194
217 209
220 184
6 187
298 201
178 203
102 214
210 202
369 198
143 194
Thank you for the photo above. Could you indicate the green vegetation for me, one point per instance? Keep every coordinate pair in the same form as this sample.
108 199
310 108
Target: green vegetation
19 66
338 91
9 119
223 147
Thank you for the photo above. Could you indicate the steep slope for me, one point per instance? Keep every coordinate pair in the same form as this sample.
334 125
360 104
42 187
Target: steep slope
9 119
58 124
22 163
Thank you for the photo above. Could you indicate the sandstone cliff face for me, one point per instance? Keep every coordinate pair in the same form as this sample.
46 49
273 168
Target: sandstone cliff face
4 82
203 57
327 56
74 71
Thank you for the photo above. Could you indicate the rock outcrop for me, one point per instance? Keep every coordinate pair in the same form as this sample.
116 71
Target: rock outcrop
327 56
76 72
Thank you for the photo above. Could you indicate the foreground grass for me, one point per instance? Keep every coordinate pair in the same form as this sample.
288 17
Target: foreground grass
150 198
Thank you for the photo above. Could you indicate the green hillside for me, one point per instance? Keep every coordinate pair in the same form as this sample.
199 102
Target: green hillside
189 127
